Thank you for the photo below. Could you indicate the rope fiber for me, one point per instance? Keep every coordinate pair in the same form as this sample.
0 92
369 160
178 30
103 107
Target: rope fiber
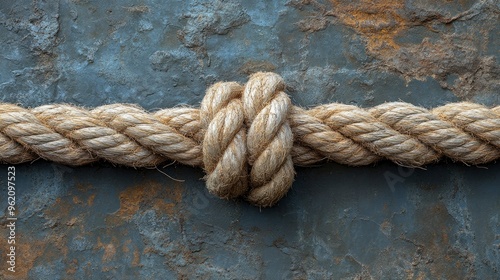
248 137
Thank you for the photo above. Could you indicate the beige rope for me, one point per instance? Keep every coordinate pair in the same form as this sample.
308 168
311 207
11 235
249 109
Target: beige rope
247 138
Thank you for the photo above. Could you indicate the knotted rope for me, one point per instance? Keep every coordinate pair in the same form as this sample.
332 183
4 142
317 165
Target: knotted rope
247 138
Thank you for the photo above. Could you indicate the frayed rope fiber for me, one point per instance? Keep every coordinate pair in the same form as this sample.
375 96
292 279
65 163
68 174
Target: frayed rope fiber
248 138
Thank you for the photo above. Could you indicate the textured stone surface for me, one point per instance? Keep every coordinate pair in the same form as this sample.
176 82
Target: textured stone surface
382 221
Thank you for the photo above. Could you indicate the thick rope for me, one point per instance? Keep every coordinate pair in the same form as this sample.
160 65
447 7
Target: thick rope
224 149
247 138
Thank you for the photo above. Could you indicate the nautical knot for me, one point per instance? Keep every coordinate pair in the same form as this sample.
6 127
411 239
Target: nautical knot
248 128
248 137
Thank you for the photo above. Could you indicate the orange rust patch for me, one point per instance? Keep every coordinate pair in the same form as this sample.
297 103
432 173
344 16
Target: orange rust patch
125 247
443 55
83 187
109 249
378 21
31 251
72 221
72 267
60 210
109 252
90 200
165 207
136 261
77 200
163 199
27 252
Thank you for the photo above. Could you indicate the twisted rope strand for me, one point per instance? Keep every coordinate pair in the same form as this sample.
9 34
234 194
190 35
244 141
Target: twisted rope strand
247 138
224 151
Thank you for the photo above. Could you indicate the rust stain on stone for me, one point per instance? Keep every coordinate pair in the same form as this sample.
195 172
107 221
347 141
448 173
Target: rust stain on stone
72 221
90 200
32 251
378 21
84 197
163 199
126 244
165 207
450 56
29 249
109 250
84 187
77 200
136 261
60 211
72 267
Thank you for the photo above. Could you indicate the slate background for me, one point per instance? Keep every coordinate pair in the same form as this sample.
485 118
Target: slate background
381 221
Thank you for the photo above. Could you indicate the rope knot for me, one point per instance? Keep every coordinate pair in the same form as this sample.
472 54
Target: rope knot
247 128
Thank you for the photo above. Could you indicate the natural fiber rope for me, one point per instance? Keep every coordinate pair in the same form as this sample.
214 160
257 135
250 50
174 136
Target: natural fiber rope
247 138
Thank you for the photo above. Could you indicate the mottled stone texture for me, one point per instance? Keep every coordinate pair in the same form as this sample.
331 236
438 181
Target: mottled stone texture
376 222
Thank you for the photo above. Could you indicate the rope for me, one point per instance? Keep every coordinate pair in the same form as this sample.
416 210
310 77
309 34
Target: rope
248 138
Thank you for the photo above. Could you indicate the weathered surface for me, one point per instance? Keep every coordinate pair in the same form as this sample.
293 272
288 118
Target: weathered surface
375 222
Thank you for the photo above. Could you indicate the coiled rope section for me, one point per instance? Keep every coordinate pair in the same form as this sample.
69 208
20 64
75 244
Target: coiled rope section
248 138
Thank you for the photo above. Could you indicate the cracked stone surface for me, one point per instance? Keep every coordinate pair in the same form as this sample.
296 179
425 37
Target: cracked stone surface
337 222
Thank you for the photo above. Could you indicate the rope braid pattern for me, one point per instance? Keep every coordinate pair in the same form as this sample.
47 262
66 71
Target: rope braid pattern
247 138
